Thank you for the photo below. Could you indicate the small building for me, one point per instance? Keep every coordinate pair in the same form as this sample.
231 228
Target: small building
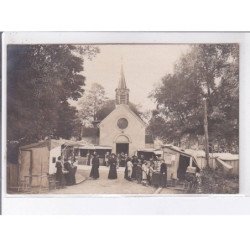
83 153
149 153
37 160
122 129
230 162
178 161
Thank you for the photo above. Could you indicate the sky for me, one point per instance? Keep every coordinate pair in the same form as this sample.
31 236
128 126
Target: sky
144 66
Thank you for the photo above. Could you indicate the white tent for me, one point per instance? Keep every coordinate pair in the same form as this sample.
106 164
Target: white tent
37 160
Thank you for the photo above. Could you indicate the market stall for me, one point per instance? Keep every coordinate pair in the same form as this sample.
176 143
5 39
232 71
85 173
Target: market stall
83 153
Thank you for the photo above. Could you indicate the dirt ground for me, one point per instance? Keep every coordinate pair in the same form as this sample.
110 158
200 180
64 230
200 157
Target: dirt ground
105 186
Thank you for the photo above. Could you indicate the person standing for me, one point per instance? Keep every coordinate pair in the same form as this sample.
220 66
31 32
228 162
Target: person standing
128 170
94 173
74 169
71 171
107 159
145 172
59 172
118 157
126 158
112 167
153 165
163 171
139 171
88 158
191 179
134 171
150 174
122 160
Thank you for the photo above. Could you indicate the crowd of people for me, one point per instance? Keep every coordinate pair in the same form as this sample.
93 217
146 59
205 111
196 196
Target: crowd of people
65 172
135 168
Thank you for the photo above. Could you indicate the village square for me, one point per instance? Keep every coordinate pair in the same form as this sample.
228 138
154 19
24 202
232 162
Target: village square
125 134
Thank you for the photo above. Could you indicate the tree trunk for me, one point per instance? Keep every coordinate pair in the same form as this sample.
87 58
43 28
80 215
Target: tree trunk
206 132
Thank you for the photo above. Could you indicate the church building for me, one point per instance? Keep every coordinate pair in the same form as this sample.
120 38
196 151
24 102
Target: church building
122 129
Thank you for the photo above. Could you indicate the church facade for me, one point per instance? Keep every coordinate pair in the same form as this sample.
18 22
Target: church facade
122 129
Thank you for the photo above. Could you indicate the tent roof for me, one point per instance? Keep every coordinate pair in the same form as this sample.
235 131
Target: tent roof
224 164
222 156
51 143
182 152
226 156
35 145
93 147
177 149
197 153
150 150
103 147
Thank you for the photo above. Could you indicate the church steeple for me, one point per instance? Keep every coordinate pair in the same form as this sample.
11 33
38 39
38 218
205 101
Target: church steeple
122 92
122 81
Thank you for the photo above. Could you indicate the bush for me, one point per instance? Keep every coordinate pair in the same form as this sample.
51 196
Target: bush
216 181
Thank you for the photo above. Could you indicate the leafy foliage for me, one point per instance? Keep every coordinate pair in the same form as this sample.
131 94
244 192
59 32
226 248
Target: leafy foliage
95 105
208 71
40 80
216 181
91 104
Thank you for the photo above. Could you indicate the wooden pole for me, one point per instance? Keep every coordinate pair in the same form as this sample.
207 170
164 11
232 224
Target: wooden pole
206 131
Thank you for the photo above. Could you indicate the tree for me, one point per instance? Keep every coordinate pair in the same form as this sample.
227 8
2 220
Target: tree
91 104
208 71
40 80
95 106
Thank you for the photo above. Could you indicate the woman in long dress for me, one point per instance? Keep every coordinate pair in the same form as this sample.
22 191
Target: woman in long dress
94 173
59 173
112 167
139 171
163 171
70 176
134 170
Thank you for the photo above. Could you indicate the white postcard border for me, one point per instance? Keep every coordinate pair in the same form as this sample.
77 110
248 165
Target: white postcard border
136 204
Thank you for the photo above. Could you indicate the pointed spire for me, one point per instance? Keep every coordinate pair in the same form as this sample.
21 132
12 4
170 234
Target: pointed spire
122 92
122 81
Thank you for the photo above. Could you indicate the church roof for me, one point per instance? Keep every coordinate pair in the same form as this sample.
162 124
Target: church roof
134 114
130 111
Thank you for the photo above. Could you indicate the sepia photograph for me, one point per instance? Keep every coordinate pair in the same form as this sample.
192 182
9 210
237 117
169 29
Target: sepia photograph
130 119
119 118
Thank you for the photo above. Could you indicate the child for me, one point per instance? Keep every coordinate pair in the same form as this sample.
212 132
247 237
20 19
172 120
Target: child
129 169
145 172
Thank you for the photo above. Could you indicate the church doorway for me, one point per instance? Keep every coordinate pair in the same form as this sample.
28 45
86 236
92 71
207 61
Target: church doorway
122 148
